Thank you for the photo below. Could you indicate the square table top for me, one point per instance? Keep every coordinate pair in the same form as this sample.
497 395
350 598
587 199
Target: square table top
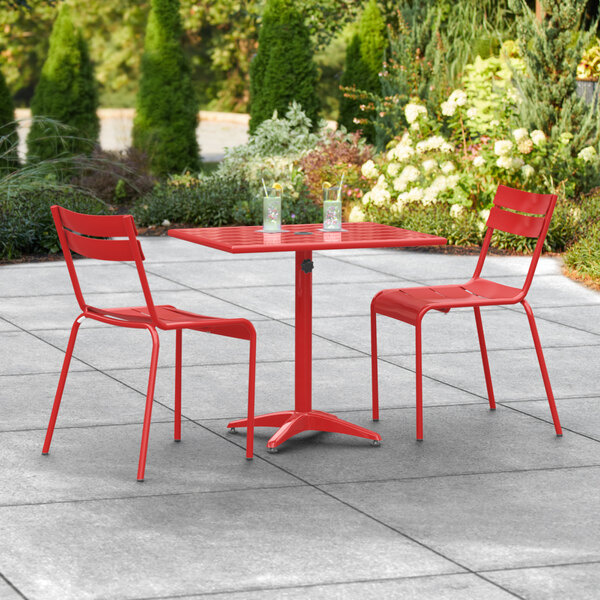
305 237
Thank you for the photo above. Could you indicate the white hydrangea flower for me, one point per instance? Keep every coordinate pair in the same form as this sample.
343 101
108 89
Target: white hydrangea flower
538 137
527 171
456 210
434 142
429 196
504 162
503 147
401 152
415 194
410 173
516 163
412 112
393 169
366 198
415 126
452 181
356 215
448 167
447 147
429 165
587 154
525 146
400 184
520 134
369 170
494 123
380 194
439 184
484 214
478 161
448 108
472 113
458 97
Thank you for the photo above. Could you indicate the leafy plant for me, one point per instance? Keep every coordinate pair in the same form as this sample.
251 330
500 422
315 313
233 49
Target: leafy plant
589 66
67 93
9 158
167 109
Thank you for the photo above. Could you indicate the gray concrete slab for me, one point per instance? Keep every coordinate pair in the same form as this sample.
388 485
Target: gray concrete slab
22 353
584 318
111 347
516 373
551 583
184 544
451 332
6 326
439 587
101 462
89 398
220 391
458 439
492 521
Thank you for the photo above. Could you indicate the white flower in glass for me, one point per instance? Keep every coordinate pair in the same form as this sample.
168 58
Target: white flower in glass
412 112
448 167
456 210
587 154
356 215
472 113
448 108
520 134
478 161
429 165
527 171
503 147
393 169
369 170
458 97
538 137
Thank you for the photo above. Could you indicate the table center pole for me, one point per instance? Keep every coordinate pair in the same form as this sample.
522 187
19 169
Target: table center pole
303 334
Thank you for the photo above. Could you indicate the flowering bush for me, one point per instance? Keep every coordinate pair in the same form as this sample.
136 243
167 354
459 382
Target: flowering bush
462 169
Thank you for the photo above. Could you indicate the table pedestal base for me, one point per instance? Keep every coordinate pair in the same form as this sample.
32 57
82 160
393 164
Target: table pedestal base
291 422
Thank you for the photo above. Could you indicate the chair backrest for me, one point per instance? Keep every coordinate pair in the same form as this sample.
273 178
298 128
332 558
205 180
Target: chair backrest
88 235
520 213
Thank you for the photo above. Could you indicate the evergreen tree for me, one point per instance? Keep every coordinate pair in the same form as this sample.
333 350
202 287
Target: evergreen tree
66 92
167 107
9 140
364 60
283 69
552 50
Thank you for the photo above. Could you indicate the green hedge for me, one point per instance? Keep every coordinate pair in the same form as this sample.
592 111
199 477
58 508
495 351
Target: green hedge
26 225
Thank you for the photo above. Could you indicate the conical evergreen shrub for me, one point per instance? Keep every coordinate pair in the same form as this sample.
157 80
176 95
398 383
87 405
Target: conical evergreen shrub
283 69
364 60
9 140
66 92
166 108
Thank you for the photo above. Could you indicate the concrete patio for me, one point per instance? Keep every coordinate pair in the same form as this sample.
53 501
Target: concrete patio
491 505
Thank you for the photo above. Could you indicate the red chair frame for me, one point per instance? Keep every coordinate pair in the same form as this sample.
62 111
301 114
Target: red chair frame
86 235
411 304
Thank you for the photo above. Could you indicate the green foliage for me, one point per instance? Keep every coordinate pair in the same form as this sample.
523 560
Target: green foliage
205 201
283 69
167 109
371 30
551 51
66 92
354 78
9 158
26 225
584 256
589 66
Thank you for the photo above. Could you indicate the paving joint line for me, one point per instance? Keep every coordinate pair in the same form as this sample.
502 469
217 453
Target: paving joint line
12 586
550 566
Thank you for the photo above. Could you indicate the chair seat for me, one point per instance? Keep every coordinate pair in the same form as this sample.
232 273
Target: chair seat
174 318
405 304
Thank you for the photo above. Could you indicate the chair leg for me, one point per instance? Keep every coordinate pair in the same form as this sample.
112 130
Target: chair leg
419 380
178 353
484 358
61 384
374 373
543 369
149 401
251 389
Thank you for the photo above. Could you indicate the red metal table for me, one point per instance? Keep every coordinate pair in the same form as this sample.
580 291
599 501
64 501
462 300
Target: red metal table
303 239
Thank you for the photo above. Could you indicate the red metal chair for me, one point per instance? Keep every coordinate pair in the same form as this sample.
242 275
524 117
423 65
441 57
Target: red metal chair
411 304
86 235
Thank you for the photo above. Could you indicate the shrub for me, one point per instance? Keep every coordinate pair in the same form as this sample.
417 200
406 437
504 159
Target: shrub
67 93
283 69
167 109
115 177
26 225
205 201
9 140
583 257
353 79
335 155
